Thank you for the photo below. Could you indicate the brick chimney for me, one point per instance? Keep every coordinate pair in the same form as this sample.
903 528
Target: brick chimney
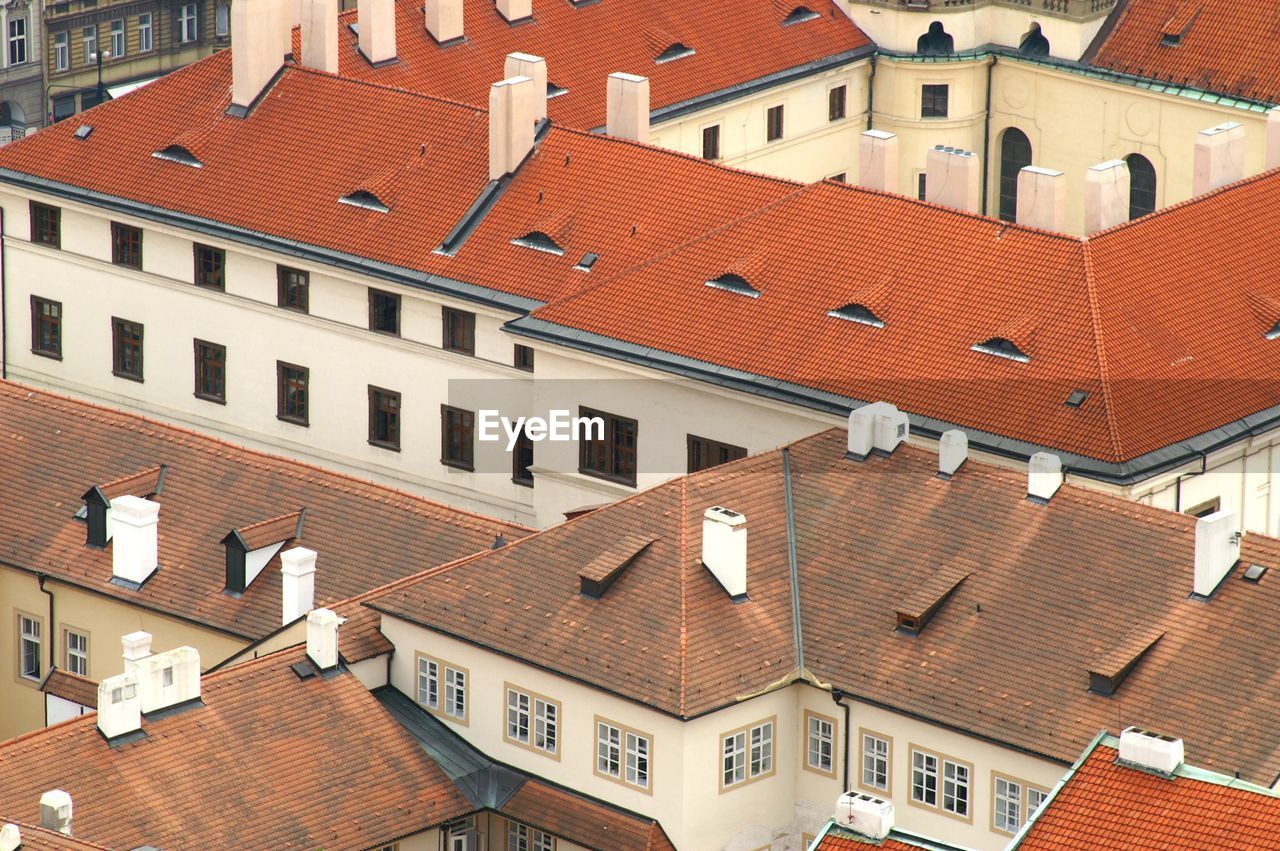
319 22
322 638
1042 199
444 20
119 705
878 160
511 110
135 538
259 29
952 178
1217 550
1273 138
534 67
1219 157
953 451
724 548
1106 196
55 811
298 575
1044 476
377 22
627 114
513 11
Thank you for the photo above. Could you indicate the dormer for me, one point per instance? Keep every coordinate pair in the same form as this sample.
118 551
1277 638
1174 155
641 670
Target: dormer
799 15
859 313
178 154
97 501
734 283
919 605
596 577
251 548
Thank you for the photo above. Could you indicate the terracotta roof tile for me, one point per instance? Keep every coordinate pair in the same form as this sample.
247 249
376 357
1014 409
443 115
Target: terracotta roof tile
276 530
585 822
36 838
72 687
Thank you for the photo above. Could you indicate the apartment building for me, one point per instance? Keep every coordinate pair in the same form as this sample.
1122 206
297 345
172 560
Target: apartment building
21 70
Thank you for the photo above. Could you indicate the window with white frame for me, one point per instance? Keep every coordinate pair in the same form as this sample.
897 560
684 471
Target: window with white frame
532 720
523 838
17 40
187 23
820 747
90 38
117 38
955 788
221 20
747 754
1015 803
61 51
29 629
442 688
637 773
875 762
623 754
77 653
924 778
144 32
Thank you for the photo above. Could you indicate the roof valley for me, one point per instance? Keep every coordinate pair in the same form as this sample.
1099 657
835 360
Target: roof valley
1095 322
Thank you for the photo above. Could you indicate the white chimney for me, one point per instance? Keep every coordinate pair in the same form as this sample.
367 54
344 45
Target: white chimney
55 811
377 22
1217 550
952 178
135 533
1150 750
1219 157
168 678
137 646
880 426
322 638
724 548
953 451
627 110
10 837
119 706
1042 200
515 10
298 583
260 45
534 67
1273 138
444 19
511 107
1106 196
319 22
1044 476
865 814
878 160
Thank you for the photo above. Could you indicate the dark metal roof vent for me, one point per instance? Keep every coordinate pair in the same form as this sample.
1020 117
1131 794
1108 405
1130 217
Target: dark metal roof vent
1076 399
799 15
1254 572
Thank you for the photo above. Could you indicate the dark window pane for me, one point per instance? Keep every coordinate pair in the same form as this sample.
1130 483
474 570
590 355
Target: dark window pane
292 392
126 360
384 418
126 245
459 331
457 437
612 456
524 358
46 225
705 453
711 142
293 285
1015 155
1142 185
933 101
522 460
773 124
211 264
46 327
211 371
836 103
384 312
920 185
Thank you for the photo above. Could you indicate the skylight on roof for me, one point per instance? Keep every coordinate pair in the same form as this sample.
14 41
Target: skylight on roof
538 241
735 284
799 15
84 131
1002 348
1254 572
673 52
857 313
178 154
1076 398
364 200
588 260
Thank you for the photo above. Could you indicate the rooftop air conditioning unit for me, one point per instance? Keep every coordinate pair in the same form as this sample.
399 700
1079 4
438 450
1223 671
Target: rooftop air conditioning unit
865 814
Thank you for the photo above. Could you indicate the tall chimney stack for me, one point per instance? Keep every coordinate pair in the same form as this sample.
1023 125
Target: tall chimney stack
878 160
135 538
724 548
136 646
444 20
1106 196
10 838
952 178
298 572
259 48
377 22
511 109
319 22
1219 157
55 811
953 451
627 110
514 11
1273 138
1042 200
534 67
1217 550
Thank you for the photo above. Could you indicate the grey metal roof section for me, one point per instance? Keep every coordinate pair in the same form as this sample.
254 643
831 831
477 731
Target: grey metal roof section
485 783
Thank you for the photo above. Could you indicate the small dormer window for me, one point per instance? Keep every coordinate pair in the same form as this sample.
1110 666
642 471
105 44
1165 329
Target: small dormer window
554 91
1002 348
735 284
859 313
539 241
178 154
364 200
1274 332
799 15
674 51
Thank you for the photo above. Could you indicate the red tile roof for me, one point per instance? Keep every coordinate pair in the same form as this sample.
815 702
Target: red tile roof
366 535
734 43
839 839
72 687
1052 589
269 761
36 838
585 822
1104 805
1227 46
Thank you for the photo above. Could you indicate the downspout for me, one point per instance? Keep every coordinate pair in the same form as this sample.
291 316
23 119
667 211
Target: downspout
40 578
1177 484
986 139
838 696
871 94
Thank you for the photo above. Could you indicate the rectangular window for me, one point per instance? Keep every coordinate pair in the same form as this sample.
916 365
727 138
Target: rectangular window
384 312
623 754
29 631
384 418
221 20
522 460
920 186
1015 803
457 435
875 762
711 142
820 747
608 750
187 20
46 225
211 371
292 286
117 38
17 41
532 721
90 38
924 778
773 124
836 97
211 267
46 327
455 693
126 245
126 349
292 392
933 101
459 331
521 838
61 51
442 687
705 453
77 652
524 358
637 773
955 788
747 754
613 455
144 32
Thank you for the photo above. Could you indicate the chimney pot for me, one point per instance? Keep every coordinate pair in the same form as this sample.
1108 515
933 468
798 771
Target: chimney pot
322 638
865 814
444 19
511 111
515 10
534 67
627 110
55 811
319 22
261 37
878 160
1042 202
119 705
1217 550
135 532
1273 138
1044 476
298 569
953 451
1106 196
1219 157
377 36
10 837
1151 750
952 179
137 646
724 548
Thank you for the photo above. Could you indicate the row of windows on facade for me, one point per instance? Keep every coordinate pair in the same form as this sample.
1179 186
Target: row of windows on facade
775 122
187 31
31 642
464 835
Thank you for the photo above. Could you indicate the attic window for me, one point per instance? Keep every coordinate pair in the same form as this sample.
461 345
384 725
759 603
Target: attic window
734 284
1076 399
859 313
1002 348
588 260
673 52
364 200
918 607
178 154
539 241
605 568
1111 670
554 91
799 15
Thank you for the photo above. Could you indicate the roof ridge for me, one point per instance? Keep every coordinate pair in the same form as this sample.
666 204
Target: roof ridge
1100 348
369 84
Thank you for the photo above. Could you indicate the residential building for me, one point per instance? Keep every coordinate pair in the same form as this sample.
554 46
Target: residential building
21 69
222 546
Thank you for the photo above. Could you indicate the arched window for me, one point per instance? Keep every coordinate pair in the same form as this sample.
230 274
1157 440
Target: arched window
1035 44
1015 155
1142 185
936 42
